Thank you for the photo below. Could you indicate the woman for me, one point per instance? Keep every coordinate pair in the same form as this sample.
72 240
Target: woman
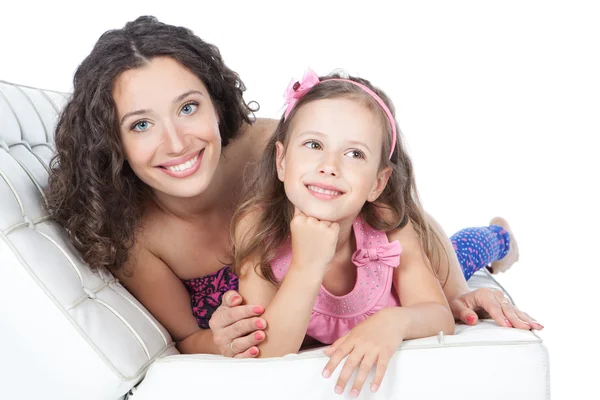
151 153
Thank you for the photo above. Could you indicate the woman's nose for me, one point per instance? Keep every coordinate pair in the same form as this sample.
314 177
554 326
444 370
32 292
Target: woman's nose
175 138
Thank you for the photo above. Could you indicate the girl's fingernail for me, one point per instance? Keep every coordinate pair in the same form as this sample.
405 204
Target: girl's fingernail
338 389
258 310
253 352
260 325
539 327
235 298
507 323
471 319
374 388
258 336
354 393
326 374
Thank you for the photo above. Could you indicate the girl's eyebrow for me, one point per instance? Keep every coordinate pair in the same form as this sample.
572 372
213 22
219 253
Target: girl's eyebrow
176 100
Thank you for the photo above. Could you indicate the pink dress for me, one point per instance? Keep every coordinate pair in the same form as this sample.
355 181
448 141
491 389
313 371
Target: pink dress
375 259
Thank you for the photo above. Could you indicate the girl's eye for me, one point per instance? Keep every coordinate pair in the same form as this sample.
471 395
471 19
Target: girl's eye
311 144
189 108
141 126
356 154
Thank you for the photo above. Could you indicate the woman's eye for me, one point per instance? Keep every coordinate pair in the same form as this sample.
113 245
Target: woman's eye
313 145
141 126
356 154
189 108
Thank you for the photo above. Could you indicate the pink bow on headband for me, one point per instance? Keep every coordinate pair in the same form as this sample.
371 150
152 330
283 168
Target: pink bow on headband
296 90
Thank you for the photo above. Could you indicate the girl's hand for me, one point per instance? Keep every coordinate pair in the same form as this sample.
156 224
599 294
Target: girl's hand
237 330
371 342
313 241
494 303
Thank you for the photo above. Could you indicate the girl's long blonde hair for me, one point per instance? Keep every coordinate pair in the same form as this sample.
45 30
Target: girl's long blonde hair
271 211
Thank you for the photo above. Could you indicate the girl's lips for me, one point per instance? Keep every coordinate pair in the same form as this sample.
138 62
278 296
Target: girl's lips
324 192
186 172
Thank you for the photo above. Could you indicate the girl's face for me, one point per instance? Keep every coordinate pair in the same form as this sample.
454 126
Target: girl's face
169 127
330 166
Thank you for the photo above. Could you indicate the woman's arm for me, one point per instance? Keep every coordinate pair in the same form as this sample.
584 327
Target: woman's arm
156 286
463 301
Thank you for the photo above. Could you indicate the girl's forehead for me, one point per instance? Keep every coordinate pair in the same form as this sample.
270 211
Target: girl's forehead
347 118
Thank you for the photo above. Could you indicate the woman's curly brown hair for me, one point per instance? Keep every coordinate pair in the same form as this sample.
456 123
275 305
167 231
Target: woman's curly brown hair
92 191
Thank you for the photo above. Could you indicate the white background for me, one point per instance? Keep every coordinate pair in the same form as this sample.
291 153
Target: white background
499 103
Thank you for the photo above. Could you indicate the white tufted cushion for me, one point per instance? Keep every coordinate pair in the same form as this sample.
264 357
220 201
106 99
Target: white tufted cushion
67 333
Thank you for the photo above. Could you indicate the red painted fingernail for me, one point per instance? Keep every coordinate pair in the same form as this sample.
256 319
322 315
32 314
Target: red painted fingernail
471 319
258 310
253 352
258 336
260 325
235 298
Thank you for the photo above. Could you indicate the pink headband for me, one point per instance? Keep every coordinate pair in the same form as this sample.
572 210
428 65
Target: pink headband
296 90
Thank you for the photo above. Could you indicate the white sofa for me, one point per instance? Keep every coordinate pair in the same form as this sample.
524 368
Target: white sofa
68 333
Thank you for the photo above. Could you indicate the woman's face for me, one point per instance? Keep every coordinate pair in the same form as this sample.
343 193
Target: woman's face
169 127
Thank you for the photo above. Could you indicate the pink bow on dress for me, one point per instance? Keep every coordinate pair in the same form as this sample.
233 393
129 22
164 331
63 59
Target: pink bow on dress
296 90
388 253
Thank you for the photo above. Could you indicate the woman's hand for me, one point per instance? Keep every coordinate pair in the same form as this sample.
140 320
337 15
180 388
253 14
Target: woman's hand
313 241
371 342
237 329
493 302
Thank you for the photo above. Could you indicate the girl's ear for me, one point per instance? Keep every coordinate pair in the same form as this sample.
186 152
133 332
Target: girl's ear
280 160
382 179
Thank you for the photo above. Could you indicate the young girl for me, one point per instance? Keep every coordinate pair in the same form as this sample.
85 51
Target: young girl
318 242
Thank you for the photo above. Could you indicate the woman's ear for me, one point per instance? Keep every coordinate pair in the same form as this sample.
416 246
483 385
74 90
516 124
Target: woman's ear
280 160
382 179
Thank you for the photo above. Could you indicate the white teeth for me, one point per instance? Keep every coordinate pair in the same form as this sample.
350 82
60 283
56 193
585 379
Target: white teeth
324 191
184 166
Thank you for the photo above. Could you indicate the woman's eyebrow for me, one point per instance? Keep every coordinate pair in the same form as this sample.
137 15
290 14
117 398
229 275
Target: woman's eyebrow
186 94
176 100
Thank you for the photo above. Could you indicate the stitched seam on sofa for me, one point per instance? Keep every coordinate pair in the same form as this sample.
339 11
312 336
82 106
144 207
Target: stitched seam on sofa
20 89
145 314
85 296
31 87
127 324
25 223
29 147
546 365
14 191
74 323
28 171
12 110
64 253
52 103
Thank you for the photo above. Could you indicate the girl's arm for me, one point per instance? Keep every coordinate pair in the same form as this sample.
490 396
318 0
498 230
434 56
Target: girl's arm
424 309
288 308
